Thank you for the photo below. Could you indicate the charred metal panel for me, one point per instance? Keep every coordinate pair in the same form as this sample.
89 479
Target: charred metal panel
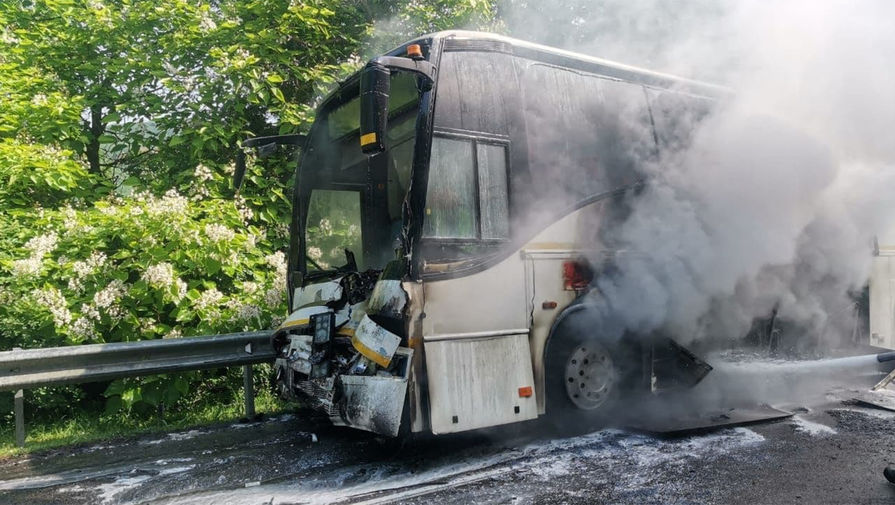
375 402
317 294
475 380
417 385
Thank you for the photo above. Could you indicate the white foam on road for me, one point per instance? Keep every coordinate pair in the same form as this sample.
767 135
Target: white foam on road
107 492
543 460
812 428
176 437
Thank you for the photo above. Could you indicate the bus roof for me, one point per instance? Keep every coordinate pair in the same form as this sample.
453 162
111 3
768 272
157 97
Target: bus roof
583 62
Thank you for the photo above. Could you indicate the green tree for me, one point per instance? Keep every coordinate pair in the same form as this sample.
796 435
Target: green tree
119 121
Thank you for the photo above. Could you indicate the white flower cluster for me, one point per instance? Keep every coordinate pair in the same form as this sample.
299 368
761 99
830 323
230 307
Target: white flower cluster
89 311
39 247
209 299
315 253
206 24
209 304
26 267
326 226
84 329
243 311
160 275
274 295
174 333
243 209
106 298
55 302
170 204
87 267
218 232
42 245
202 173
251 241
181 289
249 287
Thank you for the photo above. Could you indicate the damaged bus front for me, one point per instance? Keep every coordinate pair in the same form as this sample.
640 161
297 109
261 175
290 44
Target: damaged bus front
344 348
448 230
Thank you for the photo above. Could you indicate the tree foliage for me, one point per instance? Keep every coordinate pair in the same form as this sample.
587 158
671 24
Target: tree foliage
119 123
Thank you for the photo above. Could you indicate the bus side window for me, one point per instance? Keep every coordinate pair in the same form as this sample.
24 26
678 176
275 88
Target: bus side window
450 199
467 191
492 168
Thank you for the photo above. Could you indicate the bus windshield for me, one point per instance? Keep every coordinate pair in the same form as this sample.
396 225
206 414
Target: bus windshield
352 201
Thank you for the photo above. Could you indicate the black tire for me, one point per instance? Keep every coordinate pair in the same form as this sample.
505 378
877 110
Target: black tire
574 402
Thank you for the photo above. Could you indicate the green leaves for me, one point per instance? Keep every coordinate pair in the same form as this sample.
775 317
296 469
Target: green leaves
119 121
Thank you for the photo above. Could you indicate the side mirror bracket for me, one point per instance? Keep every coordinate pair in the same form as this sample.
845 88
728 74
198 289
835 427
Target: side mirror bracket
266 146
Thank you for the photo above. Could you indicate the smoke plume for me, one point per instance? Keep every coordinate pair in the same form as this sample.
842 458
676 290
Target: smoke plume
776 197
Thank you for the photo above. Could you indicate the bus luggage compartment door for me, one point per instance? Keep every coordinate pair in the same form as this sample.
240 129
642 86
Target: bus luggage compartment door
478 380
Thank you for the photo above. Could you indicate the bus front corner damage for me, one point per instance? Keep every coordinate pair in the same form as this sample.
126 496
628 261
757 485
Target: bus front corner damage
337 355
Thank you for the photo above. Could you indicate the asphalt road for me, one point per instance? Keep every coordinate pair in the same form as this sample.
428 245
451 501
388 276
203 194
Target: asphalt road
831 450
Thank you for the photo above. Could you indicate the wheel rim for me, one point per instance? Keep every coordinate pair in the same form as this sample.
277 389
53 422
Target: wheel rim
590 376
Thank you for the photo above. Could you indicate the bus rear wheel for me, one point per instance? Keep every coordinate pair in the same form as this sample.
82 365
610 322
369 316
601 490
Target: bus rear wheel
587 377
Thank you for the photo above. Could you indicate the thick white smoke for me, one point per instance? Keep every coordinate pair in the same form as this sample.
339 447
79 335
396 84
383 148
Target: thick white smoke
777 199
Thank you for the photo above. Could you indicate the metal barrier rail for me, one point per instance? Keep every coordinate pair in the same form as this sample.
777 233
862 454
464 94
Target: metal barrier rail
34 368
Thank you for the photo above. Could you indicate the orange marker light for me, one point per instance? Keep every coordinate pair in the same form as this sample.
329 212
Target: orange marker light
414 51
525 392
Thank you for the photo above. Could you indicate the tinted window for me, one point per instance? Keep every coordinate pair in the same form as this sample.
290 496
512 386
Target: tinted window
492 168
467 194
473 91
450 199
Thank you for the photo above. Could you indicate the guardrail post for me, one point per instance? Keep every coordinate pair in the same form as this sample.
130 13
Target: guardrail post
249 392
20 418
19 410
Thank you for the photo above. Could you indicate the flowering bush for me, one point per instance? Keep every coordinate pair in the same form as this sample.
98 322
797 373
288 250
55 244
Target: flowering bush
134 268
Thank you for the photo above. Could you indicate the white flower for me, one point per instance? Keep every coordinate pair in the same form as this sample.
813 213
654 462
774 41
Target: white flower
39 99
171 203
218 233
160 275
276 321
84 268
326 227
75 284
89 311
202 173
273 297
42 244
105 298
28 266
251 241
244 311
84 329
174 333
242 207
315 253
206 24
210 298
249 287
276 260
181 289
56 303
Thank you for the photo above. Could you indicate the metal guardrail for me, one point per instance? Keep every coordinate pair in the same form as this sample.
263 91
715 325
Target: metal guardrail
34 368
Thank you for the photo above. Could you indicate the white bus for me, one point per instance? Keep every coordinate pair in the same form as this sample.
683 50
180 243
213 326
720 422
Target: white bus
449 220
